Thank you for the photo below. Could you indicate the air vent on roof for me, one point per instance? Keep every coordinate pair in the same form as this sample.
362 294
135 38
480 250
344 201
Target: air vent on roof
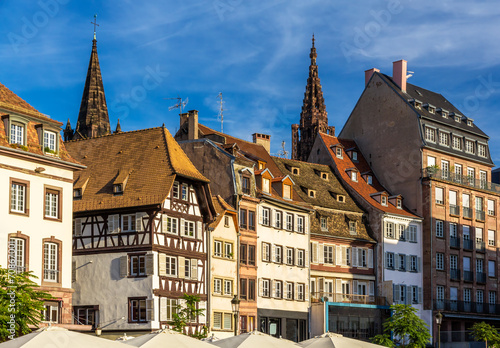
419 93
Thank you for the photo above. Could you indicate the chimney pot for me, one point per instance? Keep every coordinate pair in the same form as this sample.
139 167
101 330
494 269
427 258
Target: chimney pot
262 139
192 124
399 73
369 73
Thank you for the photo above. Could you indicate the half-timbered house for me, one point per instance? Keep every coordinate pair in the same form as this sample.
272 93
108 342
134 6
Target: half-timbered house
140 215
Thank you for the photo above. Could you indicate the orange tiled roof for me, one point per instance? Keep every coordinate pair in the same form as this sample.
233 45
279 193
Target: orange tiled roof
151 157
361 186
221 207
10 101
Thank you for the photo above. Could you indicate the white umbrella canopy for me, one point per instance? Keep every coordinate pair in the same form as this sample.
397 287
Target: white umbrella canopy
332 340
166 338
254 339
57 337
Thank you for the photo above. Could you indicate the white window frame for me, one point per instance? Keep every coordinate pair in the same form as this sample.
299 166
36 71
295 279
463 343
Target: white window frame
228 250
481 150
218 248
265 216
50 262
266 291
440 261
18 198
440 228
49 141
16 133
218 286
469 146
228 287
289 222
175 190
171 266
128 220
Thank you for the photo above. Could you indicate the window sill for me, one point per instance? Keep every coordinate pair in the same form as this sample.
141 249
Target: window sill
19 213
52 219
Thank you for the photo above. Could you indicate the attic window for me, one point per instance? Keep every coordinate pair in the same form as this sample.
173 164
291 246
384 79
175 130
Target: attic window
417 103
369 180
287 191
352 228
469 123
457 118
265 185
340 199
323 224
354 176
226 221
444 113
431 109
77 193
324 176
399 205
354 156
295 171
383 201
338 152
311 193
117 188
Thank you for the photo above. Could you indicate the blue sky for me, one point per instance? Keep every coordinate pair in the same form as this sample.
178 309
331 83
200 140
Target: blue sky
256 53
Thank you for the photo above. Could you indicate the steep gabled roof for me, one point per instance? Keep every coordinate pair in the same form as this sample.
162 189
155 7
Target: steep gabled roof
151 157
221 208
364 189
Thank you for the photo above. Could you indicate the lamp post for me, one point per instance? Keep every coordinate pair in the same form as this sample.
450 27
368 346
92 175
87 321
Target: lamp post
235 304
439 320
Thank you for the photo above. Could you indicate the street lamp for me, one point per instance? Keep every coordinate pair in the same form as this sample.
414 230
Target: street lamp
439 320
235 304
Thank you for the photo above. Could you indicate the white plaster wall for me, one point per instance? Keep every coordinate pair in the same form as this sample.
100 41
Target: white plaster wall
34 225
98 282
282 272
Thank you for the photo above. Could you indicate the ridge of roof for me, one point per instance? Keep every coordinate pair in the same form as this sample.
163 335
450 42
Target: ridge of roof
114 134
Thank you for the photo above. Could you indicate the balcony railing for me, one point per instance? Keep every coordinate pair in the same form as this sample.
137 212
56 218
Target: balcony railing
431 172
462 306
347 298
455 274
468 276
480 246
467 212
480 214
454 242
481 277
454 209
467 244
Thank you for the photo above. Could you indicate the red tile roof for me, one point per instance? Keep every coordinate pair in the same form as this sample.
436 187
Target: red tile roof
361 186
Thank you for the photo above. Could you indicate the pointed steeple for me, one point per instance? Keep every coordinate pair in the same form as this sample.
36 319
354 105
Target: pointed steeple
93 119
313 118
118 127
68 131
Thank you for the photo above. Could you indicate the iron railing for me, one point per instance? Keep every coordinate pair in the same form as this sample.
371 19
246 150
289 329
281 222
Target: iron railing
468 244
468 276
454 242
432 172
454 209
480 214
455 274
463 306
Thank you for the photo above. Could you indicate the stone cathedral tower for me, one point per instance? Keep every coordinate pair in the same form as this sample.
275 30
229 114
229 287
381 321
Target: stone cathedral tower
313 118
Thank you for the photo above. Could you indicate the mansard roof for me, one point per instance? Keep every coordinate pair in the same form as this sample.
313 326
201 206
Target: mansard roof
360 186
151 157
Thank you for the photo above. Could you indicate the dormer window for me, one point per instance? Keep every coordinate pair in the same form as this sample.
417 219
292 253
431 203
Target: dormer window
323 224
444 113
444 139
287 191
265 185
340 199
430 134
399 204
432 109
469 123
16 133
457 118
49 142
352 228
338 151
354 156
324 176
77 193
354 176
117 188
417 103
369 179
383 200
295 171
311 193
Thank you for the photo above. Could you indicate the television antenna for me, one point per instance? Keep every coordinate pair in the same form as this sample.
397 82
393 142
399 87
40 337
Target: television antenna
221 112
283 153
179 105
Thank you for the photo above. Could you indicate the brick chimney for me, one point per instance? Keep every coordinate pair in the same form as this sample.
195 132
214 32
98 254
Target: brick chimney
369 73
399 73
262 139
192 124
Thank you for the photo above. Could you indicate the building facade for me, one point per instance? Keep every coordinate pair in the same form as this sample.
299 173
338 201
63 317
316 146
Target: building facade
140 226
36 176
439 160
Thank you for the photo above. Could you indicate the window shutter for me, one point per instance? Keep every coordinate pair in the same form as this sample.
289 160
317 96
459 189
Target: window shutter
295 292
419 264
321 253
338 286
273 288
385 260
150 314
314 252
150 265
261 214
372 289
370 258
162 264
354 257
396 261
272 217
407 233
73 271
338 255
306 223
295 224
199 230
78 227
194 269
420 298
138 221
306 292
262 250
321 285
123 266
163 308
202 318
354 287
344 256
296 257
408 263
164 223
261 293
273 253
306 258
116 224
360 257
181 266
397 293
408 295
